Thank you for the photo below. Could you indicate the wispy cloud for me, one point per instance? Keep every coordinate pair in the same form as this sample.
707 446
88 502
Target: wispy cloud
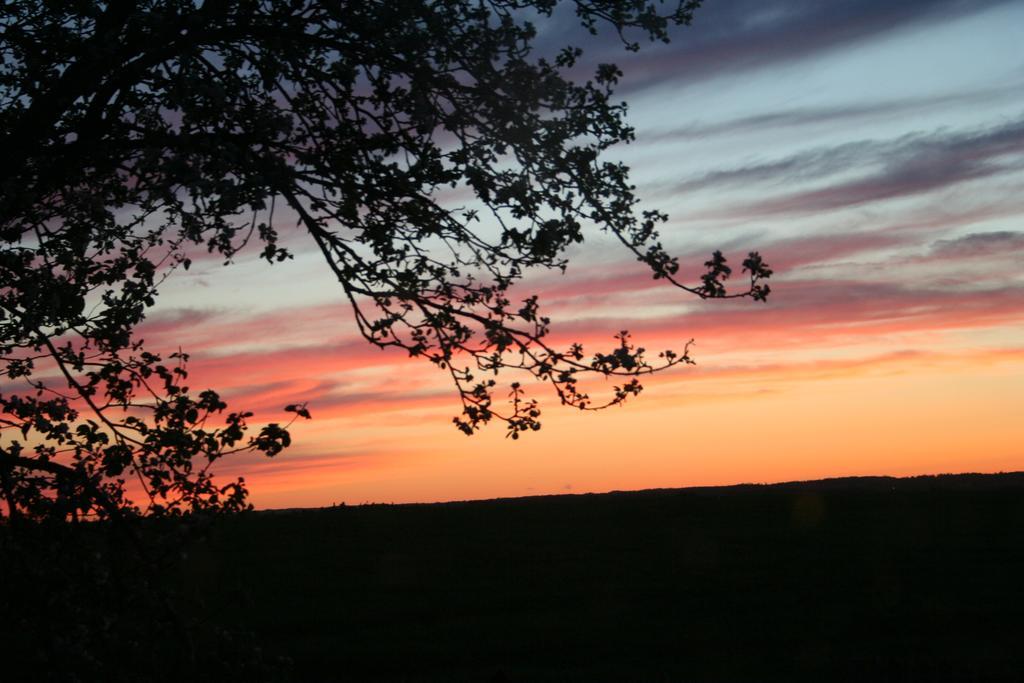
817 314
745 34
981 244
846 113
907 166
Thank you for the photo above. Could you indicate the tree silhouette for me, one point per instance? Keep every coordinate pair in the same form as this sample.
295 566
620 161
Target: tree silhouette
136 131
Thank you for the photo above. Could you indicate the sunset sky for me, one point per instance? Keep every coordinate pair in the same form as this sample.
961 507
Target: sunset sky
871 150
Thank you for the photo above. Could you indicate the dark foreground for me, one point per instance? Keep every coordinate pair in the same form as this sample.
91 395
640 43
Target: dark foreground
868 579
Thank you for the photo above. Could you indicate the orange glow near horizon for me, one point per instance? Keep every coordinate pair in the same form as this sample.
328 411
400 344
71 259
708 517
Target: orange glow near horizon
907 417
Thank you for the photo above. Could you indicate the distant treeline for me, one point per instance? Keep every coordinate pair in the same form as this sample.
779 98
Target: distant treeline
852 579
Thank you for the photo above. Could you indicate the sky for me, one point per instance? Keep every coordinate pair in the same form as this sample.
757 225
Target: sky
872 151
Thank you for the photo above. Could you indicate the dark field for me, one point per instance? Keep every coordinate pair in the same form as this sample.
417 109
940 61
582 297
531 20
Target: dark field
857 579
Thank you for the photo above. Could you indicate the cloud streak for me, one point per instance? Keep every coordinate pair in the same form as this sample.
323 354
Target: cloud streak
909 166
728 37
980 244
846 113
